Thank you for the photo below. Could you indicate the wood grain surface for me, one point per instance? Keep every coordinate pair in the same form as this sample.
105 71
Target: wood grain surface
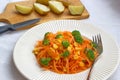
10 15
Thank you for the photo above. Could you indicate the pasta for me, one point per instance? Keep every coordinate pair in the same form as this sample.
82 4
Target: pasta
65 52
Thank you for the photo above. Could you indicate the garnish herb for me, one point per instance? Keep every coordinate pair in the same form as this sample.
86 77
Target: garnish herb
46 42
94 44
46 34
66 53
65 43
78 39
77 36
59 36
90 54
45 61
75 32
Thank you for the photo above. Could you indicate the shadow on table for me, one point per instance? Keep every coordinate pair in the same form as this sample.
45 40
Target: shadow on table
114 5
16 74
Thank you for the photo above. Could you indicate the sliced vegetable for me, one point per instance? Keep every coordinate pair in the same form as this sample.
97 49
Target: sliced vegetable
46 42
45 61
59 36
65 43
66 53
90 54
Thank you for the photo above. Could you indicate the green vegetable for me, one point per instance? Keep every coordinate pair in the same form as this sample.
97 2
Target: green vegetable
77 36
46 34
90 54
65 43
66 53
59 36
46 42
75 32
94 44
45 61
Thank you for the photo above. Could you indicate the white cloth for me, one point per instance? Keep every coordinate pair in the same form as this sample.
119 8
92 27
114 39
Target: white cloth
103 13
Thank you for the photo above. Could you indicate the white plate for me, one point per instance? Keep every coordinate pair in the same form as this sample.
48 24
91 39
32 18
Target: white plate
26 63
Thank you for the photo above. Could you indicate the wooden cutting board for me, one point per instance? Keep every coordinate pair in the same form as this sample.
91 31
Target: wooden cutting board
10 15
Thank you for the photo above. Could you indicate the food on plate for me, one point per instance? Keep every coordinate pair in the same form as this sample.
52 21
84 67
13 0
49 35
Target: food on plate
23 9
76 10
42 1
65 52
56 6
41 9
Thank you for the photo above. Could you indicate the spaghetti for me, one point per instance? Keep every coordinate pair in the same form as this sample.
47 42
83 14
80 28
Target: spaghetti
65 52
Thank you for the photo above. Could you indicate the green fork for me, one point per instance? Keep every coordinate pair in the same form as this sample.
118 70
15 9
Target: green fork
97 40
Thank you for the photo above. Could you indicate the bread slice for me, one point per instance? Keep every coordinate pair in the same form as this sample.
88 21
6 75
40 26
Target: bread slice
76 10
41 9
56 6
23 9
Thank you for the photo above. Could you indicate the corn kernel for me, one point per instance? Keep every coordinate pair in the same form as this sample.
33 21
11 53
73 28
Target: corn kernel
77 53
35 52
59 40
52 49
76 57
36 49
55 46
57 58
78 48
81 64
69 48
64 69
75 44
71 45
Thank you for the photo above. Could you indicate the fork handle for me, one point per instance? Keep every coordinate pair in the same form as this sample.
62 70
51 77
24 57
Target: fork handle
89 74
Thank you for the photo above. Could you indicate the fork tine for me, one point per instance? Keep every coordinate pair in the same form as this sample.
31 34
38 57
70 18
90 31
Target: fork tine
93 38
100 44
96 40
100 39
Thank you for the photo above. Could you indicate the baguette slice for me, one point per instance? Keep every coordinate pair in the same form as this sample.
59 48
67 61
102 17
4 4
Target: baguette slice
41 9
23 9
45 2
56 6
66 3
76 10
